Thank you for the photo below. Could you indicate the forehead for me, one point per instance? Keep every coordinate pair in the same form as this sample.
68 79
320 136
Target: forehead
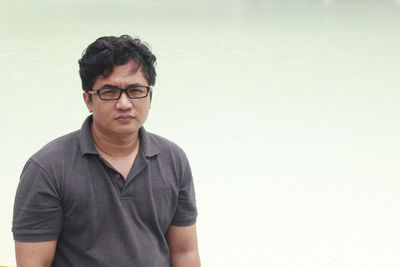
122 75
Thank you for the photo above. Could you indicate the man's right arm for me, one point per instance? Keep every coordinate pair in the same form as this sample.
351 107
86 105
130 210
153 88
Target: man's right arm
37 216
35 254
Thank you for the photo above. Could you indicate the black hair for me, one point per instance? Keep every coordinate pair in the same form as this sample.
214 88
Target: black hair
100 57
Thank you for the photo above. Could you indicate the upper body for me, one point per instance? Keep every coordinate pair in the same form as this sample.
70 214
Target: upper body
110 194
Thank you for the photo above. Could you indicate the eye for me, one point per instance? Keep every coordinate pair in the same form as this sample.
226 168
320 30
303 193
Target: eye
136 92
109 91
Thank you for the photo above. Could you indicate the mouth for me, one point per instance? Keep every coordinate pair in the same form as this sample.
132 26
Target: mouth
124 118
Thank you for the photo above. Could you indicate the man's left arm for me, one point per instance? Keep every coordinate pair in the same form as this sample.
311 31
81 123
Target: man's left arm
182 242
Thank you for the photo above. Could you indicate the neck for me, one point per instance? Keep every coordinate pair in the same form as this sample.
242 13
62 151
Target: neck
115 146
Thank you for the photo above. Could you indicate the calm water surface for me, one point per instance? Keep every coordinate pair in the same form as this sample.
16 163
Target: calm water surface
288 111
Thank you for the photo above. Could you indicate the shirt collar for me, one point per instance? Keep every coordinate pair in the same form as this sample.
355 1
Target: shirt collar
85 138
148 145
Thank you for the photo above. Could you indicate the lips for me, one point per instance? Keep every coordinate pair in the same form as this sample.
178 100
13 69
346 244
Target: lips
124 117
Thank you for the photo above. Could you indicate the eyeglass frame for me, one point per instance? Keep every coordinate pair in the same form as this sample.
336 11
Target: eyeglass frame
121 90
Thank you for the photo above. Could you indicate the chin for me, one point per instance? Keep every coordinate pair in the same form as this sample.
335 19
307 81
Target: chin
127 130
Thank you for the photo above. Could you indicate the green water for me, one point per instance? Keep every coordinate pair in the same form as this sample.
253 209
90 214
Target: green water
288 111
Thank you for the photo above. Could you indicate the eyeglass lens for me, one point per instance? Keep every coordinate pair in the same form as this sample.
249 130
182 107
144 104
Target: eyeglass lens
115 93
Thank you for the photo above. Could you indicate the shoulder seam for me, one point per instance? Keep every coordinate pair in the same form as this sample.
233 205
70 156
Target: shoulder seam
32 159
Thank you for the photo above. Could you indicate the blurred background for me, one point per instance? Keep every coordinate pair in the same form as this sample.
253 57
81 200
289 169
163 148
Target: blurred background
287 109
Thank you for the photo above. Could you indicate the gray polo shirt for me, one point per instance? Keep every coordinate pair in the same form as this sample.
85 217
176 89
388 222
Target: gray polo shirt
68 192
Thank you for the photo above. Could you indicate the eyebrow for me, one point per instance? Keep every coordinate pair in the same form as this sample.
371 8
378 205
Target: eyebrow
116 87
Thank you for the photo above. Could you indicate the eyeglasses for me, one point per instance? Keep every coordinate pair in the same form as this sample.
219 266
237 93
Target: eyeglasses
110 92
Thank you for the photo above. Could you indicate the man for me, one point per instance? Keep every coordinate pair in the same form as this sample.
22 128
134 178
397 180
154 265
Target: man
109 194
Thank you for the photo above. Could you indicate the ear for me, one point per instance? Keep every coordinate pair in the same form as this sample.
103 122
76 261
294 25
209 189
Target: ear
151 95
88 102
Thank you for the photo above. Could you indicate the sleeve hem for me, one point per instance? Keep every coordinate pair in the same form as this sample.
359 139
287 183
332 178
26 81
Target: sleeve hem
35 237
184 223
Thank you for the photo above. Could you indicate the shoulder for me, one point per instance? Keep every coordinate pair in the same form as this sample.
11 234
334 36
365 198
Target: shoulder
57 150
44 169
167 151
165 145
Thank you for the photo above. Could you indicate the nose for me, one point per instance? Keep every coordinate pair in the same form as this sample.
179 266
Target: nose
124 102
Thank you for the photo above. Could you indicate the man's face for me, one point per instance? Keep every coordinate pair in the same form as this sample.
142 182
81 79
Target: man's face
122 117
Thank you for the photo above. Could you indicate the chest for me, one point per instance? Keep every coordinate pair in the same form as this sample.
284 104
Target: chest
103 199
123 165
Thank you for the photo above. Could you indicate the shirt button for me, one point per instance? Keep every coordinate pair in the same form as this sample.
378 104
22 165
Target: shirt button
117 176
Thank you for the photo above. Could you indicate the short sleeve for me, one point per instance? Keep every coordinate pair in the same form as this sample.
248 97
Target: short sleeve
186 211
37 207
